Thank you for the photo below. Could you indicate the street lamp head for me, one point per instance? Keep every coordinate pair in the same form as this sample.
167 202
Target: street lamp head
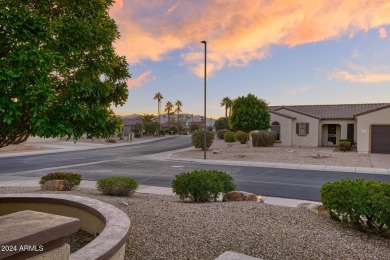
204 42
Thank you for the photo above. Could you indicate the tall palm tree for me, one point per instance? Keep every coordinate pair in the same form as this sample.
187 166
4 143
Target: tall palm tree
229 105
159 97
225 102
178 105
168 108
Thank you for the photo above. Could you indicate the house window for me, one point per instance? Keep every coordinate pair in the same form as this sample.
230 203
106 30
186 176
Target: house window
275 126
302 128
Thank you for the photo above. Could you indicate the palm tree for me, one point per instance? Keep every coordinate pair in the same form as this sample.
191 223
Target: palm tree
168 108
226 101
159 97
229 105
178 105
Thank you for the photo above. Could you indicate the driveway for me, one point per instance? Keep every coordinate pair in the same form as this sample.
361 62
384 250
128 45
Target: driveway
379 160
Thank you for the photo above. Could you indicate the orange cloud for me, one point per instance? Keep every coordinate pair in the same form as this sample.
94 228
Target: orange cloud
382 33
140 80
237 31
361 74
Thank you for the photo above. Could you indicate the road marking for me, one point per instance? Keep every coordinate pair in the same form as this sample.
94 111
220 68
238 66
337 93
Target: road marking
65 166
177 166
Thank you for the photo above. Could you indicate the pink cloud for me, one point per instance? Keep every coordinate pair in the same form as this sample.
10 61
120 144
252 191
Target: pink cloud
140 80
237 31
172 8
359 74
382 33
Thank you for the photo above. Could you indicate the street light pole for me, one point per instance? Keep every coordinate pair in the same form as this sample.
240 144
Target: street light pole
205 118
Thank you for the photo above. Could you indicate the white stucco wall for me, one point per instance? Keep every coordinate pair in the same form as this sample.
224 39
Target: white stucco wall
310 140
285 128
364 123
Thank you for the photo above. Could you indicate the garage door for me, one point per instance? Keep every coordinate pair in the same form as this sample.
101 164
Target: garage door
380 139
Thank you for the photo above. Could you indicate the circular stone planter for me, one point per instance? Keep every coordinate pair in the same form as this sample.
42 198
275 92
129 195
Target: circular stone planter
111 224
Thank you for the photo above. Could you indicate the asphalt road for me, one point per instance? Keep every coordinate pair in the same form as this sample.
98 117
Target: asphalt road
137 161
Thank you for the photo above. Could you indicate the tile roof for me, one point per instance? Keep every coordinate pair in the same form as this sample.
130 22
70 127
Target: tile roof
343 111
131 121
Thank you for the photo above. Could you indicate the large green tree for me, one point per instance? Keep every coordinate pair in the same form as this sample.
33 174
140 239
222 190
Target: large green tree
59 73
249 113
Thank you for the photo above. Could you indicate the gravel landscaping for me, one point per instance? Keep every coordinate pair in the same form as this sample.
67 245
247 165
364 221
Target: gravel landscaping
162 227
279 154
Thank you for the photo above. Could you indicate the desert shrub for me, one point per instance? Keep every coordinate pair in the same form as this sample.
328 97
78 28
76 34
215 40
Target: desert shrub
173 130
198 139
137 134
345 146
194 127
221 133
348 140
366 205
263 138
241 137
117 186
229 137
202 185
73 179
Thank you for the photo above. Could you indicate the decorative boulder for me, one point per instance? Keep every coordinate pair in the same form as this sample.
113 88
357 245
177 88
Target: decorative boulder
56 185
239 196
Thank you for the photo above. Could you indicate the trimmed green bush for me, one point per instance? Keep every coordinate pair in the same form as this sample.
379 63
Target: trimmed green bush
345 146
366 205
229 137
348 140
241 137
117 186
162 132
73 179
263 138
202 185
221 133
173 130
198 139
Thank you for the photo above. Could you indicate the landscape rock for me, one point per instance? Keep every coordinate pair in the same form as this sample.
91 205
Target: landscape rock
124 203
56 185
216 151
239 196
315 208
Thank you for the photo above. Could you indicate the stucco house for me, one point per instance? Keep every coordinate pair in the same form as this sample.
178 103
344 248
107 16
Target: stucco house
129 124
324 125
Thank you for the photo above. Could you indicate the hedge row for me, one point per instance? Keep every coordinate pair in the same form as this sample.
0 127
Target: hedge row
363 204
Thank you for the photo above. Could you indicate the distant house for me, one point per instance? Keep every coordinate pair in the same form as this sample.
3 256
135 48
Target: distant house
325 125
129 123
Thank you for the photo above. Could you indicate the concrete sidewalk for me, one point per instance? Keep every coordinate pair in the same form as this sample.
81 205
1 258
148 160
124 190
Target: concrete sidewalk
170 156
18 181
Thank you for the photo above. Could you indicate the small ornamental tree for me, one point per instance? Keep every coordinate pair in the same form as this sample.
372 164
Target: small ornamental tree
249 113
221 123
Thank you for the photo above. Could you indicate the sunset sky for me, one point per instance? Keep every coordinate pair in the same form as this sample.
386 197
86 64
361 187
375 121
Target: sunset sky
286 52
